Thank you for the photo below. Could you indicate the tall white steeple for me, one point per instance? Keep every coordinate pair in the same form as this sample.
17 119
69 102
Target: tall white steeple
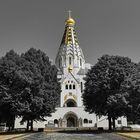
70 55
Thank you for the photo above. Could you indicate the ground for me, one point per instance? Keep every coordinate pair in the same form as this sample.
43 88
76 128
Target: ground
132 135
64 136
14 136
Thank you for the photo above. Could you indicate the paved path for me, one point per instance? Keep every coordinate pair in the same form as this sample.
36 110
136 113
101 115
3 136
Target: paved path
134 135
73 136
13 136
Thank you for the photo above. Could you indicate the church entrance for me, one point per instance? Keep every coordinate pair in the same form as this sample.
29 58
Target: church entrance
71 119
71 122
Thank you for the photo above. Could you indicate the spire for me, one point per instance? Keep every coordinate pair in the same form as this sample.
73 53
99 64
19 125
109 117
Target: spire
70 54
69 37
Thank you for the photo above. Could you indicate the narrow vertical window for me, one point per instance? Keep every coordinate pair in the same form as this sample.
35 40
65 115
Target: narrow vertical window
80 62
59 62
70 87
81 86
69 60
73 86
66 86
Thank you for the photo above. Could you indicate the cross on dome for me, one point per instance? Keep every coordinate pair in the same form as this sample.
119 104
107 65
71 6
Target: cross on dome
70 21
69 12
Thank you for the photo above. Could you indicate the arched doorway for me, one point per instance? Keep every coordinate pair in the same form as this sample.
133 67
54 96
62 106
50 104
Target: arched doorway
56 123
71 122
71 119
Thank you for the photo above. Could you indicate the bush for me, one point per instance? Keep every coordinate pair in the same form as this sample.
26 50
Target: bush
40 129
100 128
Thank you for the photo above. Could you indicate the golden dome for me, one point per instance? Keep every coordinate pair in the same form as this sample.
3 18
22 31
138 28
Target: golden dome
70 21
70 68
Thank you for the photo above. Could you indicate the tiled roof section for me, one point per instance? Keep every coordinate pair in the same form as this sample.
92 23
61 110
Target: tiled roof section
69 37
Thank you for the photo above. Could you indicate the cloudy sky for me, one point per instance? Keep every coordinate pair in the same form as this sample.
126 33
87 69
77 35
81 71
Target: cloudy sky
102 26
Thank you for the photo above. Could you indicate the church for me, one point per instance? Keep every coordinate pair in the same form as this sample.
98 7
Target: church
72 69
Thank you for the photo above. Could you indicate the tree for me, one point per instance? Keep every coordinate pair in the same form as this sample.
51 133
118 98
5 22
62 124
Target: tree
133 89
104 93
29 87
9 65
41 93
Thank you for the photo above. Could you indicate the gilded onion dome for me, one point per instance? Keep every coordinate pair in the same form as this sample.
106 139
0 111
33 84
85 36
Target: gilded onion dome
70 22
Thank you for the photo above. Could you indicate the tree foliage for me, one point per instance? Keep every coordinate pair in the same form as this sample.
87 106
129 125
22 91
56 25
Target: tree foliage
104 93
42 86
133 89
8 82
30 88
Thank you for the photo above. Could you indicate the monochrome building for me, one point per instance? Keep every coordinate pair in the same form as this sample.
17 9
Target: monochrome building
72 68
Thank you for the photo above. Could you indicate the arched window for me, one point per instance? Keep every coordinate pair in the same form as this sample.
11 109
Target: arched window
85 120
70 86
69 60
73 86
70 103
66 87
55 121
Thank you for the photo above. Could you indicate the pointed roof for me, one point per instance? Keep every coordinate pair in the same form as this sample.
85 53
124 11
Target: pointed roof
69 44
69 36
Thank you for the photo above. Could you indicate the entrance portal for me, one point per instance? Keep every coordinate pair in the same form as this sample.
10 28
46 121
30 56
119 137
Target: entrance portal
71 122
71 119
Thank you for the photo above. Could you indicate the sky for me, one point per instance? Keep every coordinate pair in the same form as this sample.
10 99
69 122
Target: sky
102 26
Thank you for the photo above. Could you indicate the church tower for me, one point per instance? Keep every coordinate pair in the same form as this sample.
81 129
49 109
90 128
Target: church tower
70 62
70 56
72 68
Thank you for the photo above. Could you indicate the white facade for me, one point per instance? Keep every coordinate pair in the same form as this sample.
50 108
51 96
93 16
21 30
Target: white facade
72 69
